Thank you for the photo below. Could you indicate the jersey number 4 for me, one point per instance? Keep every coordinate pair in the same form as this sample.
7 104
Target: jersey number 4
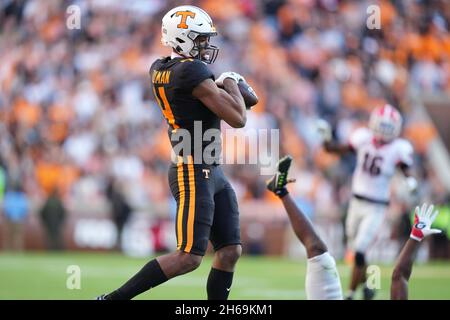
163 103
372 165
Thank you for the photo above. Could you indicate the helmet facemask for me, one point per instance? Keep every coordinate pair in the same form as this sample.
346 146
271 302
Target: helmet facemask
385 131
386 123
202 49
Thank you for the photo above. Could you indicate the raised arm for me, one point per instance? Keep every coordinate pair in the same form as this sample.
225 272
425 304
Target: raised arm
338 148
324 130
423 219
404 164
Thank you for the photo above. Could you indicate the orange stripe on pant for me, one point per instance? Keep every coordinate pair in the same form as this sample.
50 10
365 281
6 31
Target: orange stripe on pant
191 214
182 192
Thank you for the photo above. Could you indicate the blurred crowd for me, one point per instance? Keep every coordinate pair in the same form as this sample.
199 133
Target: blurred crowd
79 124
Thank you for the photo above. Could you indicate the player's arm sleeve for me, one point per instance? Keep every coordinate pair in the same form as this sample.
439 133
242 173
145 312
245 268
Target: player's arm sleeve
322 278
192 74
152 85
358 138
152 68
405 154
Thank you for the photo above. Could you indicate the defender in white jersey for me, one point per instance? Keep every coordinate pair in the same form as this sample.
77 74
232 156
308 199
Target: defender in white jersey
379 154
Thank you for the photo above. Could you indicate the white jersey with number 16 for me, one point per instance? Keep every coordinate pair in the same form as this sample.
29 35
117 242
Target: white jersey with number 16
376 164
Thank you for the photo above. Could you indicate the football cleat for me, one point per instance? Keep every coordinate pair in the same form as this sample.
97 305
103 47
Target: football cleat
277 184
368 294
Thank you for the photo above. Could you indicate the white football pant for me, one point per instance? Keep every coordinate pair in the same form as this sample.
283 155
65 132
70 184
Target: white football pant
362 224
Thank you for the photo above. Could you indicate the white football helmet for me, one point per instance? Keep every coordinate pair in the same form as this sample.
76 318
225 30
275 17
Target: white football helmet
180 28
386 123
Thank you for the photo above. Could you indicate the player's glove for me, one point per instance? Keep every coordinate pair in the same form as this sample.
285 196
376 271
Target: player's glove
277 184
423 219
324 130
232 75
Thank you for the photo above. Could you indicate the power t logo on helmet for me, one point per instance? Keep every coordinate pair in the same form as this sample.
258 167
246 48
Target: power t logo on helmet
188 29
184 15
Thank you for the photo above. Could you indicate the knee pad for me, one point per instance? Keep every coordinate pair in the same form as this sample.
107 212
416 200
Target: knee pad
360 259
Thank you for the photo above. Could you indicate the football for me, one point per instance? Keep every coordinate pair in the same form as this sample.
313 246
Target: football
249 95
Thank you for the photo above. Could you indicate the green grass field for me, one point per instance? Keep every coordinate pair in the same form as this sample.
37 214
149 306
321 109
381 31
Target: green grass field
43 276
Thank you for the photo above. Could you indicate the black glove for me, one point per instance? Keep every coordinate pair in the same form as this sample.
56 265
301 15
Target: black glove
277 184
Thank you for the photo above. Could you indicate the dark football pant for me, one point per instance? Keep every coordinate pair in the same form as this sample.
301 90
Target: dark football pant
207 207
